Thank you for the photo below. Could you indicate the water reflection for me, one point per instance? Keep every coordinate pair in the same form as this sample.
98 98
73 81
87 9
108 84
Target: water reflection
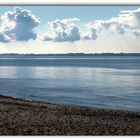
100 87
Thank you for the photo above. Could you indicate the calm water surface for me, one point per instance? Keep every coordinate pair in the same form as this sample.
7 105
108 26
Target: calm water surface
104 82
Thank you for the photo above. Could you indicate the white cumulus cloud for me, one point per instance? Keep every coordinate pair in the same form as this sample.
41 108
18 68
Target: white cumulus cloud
18 25
4 38
126 21
63 30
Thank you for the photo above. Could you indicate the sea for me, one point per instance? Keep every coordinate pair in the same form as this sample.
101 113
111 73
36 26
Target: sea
102 81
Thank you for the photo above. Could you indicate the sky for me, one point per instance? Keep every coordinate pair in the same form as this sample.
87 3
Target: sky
69 29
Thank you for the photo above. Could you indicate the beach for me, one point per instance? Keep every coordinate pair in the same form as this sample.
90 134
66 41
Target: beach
23 117
70 70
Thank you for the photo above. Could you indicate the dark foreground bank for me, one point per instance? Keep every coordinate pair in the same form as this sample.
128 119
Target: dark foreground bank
21 117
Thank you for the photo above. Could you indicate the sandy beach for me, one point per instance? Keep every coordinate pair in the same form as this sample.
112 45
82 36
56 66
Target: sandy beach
22 117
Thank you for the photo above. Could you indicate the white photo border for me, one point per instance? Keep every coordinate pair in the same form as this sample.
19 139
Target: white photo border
69 2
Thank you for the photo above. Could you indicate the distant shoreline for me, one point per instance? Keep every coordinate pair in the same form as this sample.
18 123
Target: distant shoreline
22 117
74 54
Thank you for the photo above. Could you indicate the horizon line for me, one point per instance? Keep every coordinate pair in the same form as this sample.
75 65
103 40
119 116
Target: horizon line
107 53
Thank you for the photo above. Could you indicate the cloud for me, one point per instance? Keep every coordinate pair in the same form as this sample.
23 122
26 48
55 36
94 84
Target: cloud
126 21
19 25
4 38
67 30
63 30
